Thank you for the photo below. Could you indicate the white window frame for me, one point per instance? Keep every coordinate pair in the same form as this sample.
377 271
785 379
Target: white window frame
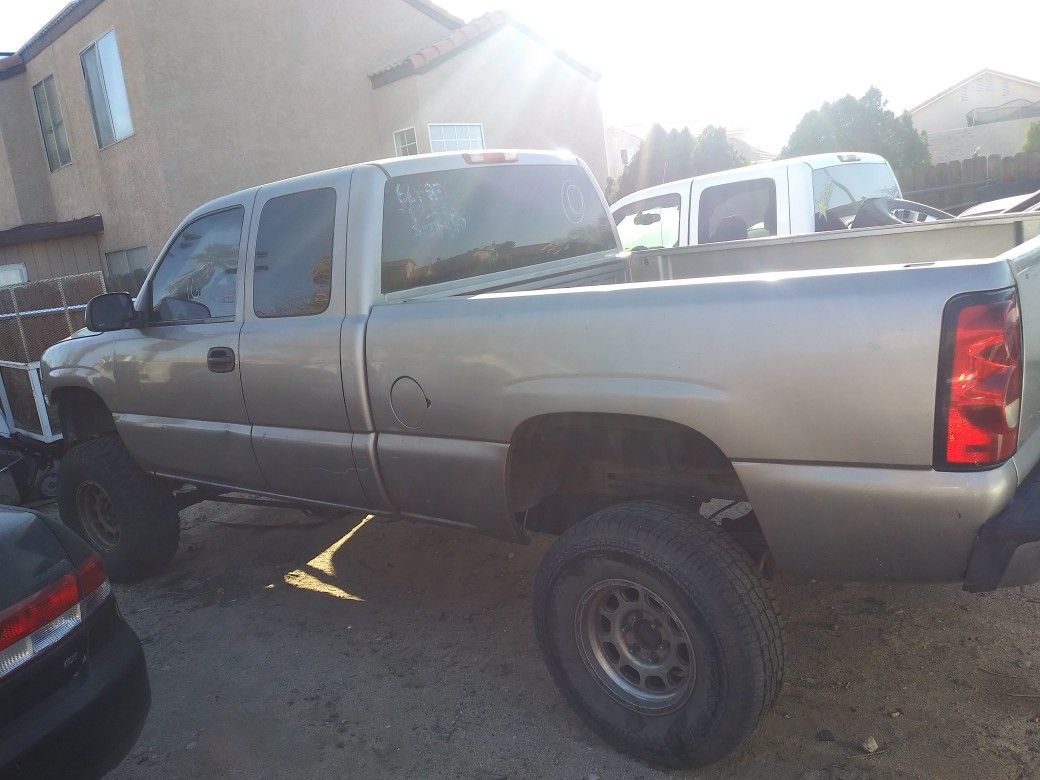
54 128
399 150
21 270
126 261
431 125
108 104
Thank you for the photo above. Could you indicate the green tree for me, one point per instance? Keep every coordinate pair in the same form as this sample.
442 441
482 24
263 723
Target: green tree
713 152
667 155
1032 143
860 125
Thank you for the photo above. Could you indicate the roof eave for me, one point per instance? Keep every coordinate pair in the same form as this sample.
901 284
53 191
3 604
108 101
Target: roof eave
43 231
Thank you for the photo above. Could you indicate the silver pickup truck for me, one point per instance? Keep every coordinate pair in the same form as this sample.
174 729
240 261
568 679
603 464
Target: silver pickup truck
459 339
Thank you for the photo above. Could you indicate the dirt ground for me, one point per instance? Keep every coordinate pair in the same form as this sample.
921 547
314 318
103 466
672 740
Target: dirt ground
407 651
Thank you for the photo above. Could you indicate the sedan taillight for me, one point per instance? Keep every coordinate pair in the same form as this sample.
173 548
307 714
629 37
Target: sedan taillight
978 403
36 623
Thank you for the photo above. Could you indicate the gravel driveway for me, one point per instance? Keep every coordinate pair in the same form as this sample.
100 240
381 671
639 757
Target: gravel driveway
408 651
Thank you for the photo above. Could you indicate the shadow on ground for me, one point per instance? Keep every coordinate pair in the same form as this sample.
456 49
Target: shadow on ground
408 651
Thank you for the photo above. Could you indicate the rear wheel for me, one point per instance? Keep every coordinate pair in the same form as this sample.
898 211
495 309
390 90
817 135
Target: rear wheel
122 512
659 631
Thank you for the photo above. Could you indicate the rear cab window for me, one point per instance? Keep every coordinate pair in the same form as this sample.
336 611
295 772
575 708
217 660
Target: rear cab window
461 224
292 269
737 211
649 224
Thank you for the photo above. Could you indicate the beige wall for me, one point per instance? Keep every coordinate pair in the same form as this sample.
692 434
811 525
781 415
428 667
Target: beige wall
26 196
10 214
252 91
223 96
948 112
1003 138
122 182
523 94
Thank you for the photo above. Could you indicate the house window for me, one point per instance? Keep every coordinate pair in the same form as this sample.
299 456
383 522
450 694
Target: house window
405 143
1006 88
456 138
106 90
127 268
964 92
55 141
624 157
13 273
985 83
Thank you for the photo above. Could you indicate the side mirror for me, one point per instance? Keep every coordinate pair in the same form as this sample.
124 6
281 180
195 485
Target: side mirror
110 311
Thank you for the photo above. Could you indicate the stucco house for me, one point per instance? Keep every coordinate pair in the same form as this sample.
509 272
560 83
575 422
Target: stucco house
120 116
986 113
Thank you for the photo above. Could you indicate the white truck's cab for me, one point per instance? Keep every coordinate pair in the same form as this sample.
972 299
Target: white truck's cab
784 197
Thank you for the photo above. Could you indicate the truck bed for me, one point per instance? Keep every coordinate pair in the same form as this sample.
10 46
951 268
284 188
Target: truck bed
967 239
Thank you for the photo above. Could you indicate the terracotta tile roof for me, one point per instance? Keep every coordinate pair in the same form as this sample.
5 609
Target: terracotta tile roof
462 38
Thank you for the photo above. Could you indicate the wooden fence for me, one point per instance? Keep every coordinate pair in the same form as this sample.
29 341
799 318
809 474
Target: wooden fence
956 185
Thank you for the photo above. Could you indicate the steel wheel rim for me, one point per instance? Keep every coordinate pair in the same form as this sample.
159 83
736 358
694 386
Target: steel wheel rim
97 515
635 646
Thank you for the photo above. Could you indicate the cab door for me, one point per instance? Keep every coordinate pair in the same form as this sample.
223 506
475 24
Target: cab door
179 404
290 343
740 209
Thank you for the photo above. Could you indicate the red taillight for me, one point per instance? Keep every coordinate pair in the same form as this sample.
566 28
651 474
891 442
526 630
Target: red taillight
20 620
980 381
38 622
90 575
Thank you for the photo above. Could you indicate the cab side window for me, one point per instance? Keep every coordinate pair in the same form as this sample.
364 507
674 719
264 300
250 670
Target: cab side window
736 211
292 271
197 279
649 224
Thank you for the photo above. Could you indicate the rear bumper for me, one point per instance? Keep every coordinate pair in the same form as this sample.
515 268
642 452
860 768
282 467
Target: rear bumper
1007 548
874 524
87 726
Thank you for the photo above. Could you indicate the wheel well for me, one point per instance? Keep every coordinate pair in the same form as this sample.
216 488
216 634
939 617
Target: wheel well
82 413
562 467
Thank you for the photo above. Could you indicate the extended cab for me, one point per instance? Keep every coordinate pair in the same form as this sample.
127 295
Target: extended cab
459 338
818 193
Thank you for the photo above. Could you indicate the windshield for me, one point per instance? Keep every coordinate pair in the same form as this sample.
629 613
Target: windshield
839 190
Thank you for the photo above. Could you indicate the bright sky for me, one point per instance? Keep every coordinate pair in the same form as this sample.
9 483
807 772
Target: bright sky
753 66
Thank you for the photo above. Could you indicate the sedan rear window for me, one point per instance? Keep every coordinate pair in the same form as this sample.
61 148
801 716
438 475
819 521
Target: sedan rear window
451 225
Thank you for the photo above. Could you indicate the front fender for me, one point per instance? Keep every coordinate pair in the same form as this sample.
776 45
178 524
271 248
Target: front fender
85 362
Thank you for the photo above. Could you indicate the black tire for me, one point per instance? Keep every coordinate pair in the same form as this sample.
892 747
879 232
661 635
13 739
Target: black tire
140 509
723 608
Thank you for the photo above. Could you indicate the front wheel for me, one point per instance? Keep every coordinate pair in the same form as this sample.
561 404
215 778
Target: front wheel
122 512
660 633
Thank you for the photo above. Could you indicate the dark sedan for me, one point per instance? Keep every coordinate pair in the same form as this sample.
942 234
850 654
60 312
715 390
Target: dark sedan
74 690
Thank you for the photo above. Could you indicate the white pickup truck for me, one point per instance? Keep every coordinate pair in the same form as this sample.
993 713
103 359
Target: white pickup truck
814 194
